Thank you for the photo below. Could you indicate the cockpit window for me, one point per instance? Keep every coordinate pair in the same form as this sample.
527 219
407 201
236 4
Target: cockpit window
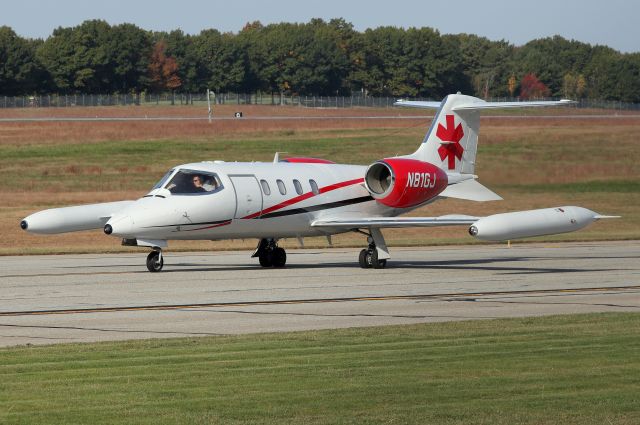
193 182
163 180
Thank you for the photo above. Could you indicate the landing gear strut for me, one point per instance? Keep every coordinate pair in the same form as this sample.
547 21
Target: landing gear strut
270 254
376 255
155 261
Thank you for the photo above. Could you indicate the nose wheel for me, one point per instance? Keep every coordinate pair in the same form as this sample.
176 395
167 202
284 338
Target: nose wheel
155 261
270 254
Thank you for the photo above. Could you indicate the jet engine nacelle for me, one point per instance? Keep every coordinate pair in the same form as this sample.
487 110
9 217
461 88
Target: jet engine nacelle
404 182
525 224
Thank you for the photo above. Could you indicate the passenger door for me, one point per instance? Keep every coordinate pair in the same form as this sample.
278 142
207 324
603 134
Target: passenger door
248 195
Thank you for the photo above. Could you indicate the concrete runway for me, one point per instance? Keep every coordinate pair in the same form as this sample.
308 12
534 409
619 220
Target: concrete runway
77 298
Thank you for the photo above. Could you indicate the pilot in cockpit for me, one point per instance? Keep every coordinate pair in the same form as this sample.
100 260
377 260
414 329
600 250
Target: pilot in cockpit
197 183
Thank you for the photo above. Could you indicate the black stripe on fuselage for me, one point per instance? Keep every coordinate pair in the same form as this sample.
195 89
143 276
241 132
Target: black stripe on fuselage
320 207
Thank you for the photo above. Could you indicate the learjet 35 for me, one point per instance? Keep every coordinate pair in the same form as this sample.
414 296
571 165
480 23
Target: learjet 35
301 197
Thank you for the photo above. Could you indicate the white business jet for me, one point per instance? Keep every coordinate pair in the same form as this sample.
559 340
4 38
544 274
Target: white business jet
300 197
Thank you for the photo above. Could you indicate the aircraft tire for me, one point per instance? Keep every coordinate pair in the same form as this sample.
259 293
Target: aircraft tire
279 257
372 260
362 259
266 259
153 265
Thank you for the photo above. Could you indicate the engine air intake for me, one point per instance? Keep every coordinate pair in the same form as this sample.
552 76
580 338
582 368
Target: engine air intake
404 182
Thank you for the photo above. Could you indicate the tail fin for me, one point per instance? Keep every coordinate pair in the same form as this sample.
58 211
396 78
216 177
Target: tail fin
452 140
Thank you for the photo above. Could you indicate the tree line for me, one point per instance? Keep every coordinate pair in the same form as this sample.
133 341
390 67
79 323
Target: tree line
314 58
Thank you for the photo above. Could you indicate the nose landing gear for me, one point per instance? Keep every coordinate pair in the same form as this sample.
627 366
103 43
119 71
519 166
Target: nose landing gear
270 254
155 261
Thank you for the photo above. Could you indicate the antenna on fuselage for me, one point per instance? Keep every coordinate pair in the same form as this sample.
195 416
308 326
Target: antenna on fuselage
276 157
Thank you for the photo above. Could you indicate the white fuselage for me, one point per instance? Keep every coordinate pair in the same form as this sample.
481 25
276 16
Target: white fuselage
244 208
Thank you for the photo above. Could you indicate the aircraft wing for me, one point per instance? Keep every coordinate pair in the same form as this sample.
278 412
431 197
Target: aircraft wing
395 222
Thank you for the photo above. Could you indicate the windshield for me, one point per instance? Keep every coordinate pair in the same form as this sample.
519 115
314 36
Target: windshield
193 182
163 180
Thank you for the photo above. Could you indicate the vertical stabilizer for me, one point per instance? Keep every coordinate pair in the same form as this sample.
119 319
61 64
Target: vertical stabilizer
451 142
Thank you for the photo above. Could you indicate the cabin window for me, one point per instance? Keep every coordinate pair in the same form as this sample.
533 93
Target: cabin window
194 182
281 187
298 187
314 187
265 187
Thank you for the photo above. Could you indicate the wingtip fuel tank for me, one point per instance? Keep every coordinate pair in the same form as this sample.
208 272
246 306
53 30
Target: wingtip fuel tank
526 224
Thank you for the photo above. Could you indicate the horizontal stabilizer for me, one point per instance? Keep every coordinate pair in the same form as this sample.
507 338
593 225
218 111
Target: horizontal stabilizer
478 104
470 190
498 105
418 104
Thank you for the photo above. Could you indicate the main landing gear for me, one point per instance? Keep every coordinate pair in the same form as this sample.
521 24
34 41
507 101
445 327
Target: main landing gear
376 255
155 261
270 254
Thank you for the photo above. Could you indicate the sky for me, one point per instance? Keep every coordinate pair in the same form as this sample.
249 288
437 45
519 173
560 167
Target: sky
614 23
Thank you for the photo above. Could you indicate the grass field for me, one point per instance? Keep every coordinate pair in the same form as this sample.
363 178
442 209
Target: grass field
532 162
581 369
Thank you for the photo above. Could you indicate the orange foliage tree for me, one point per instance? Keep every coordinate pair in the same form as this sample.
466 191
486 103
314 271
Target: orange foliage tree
532 88
163 69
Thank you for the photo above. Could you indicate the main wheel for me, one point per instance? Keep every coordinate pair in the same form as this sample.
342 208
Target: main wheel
362 259
372 260
266 258
279 257
154 262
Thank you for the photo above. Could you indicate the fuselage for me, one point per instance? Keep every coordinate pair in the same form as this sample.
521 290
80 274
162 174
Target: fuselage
249 200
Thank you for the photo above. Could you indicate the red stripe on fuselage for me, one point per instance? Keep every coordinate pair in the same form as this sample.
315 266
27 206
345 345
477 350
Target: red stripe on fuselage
304 196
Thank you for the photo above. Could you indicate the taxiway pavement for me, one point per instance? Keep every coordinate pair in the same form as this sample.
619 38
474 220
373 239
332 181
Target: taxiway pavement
80 298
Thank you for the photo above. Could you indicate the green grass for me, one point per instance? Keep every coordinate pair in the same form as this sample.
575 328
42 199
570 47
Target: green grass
602 186
137 165
582 369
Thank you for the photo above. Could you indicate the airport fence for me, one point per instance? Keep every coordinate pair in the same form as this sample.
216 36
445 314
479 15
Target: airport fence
56 100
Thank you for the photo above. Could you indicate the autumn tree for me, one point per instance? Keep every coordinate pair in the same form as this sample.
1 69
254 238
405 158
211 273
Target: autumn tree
511 85
574 86
163 69
550 59
532 88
